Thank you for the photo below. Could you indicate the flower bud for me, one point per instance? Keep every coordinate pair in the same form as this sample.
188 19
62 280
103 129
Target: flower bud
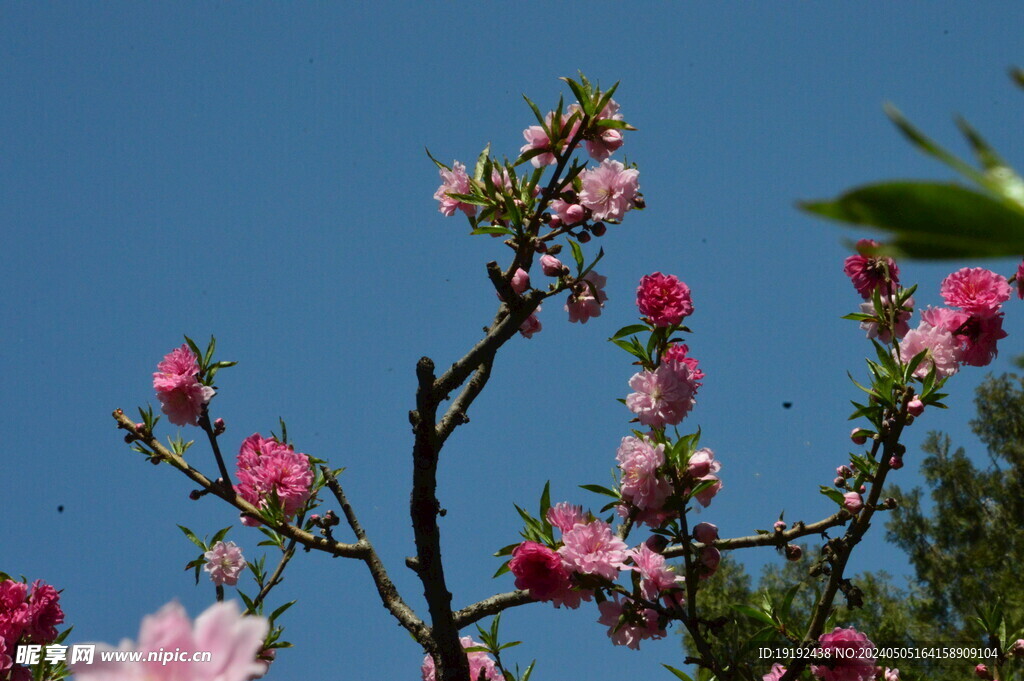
195 495
858 436
551 265
709 558
794 552
895 462
844 471
705 533
981 671
574 214
852 502
779 526
915 407
1017 648
219 427
583 237
839 482
520 280
598 228
140 427
556 222
657 543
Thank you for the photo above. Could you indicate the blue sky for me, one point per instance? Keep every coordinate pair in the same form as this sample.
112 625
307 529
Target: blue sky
257 172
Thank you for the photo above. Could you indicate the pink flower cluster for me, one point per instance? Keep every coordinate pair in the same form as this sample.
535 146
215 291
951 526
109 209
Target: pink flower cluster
26 617
844 648
703 467
454 181
224 562
593 549
232 639
663 299
966 336
663 397
869 273
481 665
601 141
583 303
182 397
267 467
880 328
626 626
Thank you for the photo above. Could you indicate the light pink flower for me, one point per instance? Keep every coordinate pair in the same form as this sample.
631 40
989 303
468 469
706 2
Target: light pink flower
851 666
979 292
531 325
582 304
881 331
706 495
663 396
568 213
551 266
540 570
520 280
705 533
655 576
609 190
593 549
892 674
639 460
702 462
775 674
607 140
852 502
943 350
479 662
232 639
536 138
663 299
565 516
182 397
454 181
627 627
224 562
265 466
868 272
679 352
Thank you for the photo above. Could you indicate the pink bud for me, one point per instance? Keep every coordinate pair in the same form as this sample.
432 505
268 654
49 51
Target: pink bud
981 671
556 222
657 543
574 214
852 502
895 462
844 471
891 674
140 427
219 427
839 482
915 407
863 489
779 526
1017 648
794 552
858 436
705 533
700 463
709 558
551 265
520 280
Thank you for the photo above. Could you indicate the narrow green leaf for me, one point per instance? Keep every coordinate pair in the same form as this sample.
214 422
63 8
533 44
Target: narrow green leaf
678 674
753 613
192 537
481 162
630 330
577 255
436 162
930 147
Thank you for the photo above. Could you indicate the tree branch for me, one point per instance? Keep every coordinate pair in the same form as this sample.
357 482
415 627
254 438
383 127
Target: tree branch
799 529
491 606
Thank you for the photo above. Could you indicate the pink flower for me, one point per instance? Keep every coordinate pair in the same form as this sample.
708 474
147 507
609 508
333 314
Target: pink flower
979 336
182 396
663 299
639 460
531 326
593 549
979 292
678 352
848 666
44 613
982 672
582 303
266 467
609 190
568 213
232 639
915 407
702 462
536 138
705 533
551 266
224 561
943 350
663 396
655 576
540 570
892 674
852 502
707 494
608 140
520 280
775 674
869 273
454 181
881 331
565 516
479 663
627 627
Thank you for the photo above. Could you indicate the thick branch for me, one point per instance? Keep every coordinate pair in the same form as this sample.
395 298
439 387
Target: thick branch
799 529
491 606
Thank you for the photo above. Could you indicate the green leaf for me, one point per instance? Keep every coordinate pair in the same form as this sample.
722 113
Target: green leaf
192 346
192 537
598 489
577 255
436 162
536 112
612 123
630 330
931 219
754 613
493 230
545 501
833 494
678 674
502 570
930 147
581 95
470 198
481 162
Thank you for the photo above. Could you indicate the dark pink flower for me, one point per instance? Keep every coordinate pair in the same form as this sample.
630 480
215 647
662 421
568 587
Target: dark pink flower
539 570
182 397
44 613
454 181
979 336
1020 280
663 299
266 467
979 292
869 273
678 352
846 648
